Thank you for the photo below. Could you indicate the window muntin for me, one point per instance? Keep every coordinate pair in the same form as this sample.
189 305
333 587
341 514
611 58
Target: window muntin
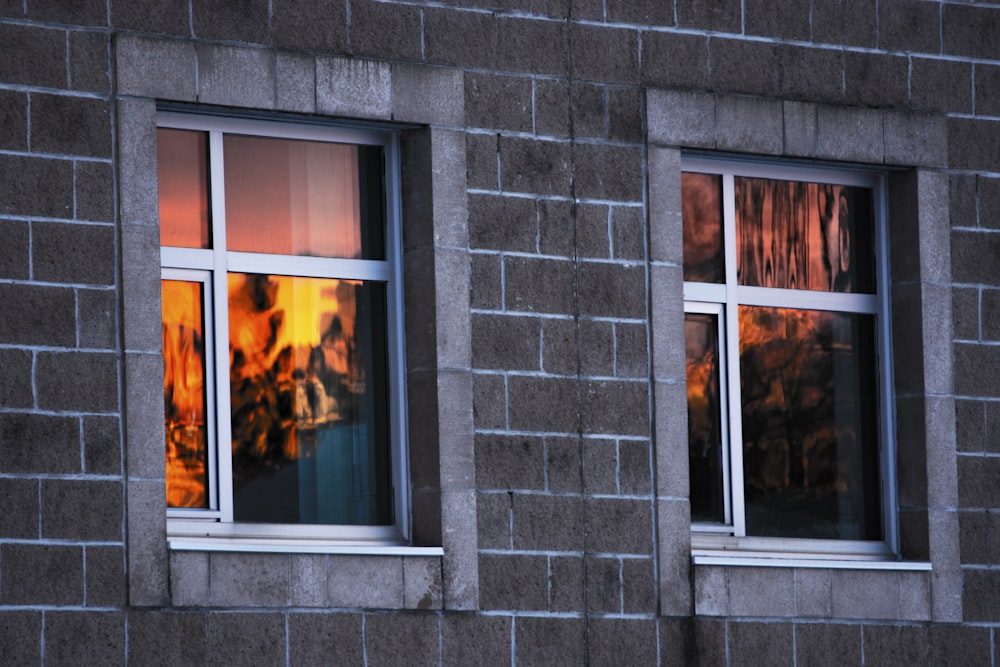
304 369
799 434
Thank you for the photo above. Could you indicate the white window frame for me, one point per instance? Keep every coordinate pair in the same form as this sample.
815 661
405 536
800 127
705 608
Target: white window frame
708 539
205 265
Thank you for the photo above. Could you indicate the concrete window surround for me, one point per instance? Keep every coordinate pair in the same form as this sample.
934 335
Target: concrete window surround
437 327
912 148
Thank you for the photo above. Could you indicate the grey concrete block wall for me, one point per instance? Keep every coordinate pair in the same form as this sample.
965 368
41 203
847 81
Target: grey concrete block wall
541 216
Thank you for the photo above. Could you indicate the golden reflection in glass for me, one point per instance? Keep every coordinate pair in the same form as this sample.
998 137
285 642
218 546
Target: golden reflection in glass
702 222
182 171
701 343
303 197
309 404
184 394
808 236
810 433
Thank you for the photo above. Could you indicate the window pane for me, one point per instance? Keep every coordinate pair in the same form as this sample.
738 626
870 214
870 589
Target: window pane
182 169
810 429
304 198
309 402
184 394
704 417
702 221
804 236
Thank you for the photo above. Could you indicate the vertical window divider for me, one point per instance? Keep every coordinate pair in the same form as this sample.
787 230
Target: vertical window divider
732 354
220 290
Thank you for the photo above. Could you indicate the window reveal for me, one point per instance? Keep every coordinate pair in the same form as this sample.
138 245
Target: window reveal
779 273
286 236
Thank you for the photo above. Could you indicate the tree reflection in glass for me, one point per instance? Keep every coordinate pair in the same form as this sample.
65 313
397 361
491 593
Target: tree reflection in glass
810 434
701 343
810 236
702 222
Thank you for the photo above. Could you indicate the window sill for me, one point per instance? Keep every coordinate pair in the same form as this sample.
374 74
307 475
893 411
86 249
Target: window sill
297 547
765 559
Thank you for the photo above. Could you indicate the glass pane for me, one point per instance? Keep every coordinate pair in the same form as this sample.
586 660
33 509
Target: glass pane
304 198
702 221
184 394
810 427
808 236
309 403
701 338
182 169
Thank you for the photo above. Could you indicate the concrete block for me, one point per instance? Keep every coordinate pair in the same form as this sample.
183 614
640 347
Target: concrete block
759 643
429 95
827 643
236 76
70 125
767 19
468 639
389 636
36 574
563 464
14 118
422 583
552 107
534 166
242 638
85 638
865 594
160 17
34 56
681 118
832 24
671 438
667 306
169 637
502 223
154 576
465 39
523 275
316 25
366 581
605 54
36 186
608 172
73 253
493 519
530 45
16 391
486 289
799 128
509 462
976 368
82 510
614 641
138 196
142 320
711 591
600 466
482 156
22 494
849 134
548 523
618 525
489 401
144 430
453 328
612 290
105 581
674 60
916 140
15 256
98 318
498 101
908 25
638 586
615 407
316 638
386 30
812 592
59 437
156 68
353 88
189 578
749 124
811 74
214 20
295 82
308 575
566 584
460 566
895 645
762 591
914 596
666 236
249 579
604 590
742 66
22 633
514 583
969 142
84 381
958 643
674 550
941 85
966 31
875 80
542 404
549 641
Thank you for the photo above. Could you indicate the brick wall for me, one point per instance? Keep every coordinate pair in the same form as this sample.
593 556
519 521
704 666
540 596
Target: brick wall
572 116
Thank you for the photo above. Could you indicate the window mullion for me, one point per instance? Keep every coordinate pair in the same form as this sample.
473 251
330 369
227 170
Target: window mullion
732 354
220 292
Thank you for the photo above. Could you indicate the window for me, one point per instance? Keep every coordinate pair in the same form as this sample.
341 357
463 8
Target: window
786 354
281 330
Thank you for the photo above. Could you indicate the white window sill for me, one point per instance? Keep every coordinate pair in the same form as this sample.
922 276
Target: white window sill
757 559
297 547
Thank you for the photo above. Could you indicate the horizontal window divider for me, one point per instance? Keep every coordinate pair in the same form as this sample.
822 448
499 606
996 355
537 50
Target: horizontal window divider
188 258
555 553
340 133
790 560
299 547
309 267
806 300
